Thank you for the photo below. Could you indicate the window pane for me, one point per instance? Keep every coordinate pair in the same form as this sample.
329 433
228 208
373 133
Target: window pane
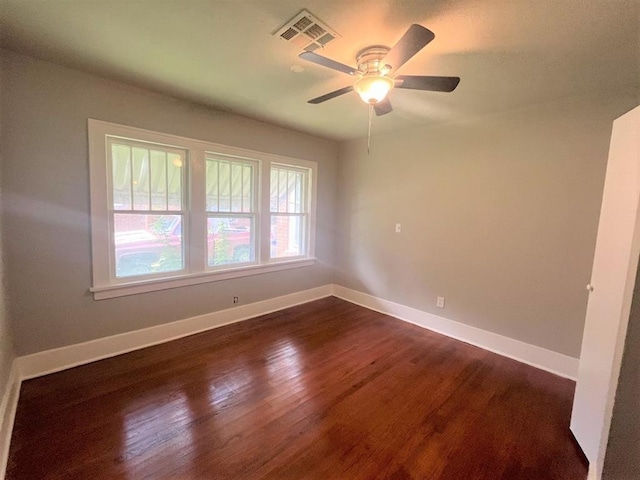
274 190
230 240
140 178
121 180
287 190
158 180
282 191
299 192
287 237
147 244
146 176
212 185
175 179
229 186
247 189
293 191
224 186
236 187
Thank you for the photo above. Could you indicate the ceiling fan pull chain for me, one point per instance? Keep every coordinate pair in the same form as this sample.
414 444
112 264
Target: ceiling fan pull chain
369 132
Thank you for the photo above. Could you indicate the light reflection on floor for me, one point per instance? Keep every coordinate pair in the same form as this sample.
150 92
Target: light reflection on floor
284 364
165 422
164 417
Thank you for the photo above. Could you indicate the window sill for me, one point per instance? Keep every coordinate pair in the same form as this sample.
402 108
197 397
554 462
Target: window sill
144 286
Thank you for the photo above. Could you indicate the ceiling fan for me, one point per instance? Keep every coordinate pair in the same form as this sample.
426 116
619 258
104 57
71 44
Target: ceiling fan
376 66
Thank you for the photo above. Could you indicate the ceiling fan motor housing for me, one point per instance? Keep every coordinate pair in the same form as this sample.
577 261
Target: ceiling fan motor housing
369 60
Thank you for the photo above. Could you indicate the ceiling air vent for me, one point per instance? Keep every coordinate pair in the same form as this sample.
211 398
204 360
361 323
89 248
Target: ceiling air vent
306 32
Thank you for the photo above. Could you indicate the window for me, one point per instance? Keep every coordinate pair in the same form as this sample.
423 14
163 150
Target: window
231 211
168 211
146 207
288 208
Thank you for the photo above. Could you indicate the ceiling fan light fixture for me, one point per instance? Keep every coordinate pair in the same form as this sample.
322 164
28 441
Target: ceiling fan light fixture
373 88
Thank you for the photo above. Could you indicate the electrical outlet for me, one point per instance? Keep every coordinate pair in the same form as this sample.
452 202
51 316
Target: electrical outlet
398 227
440 302
235 299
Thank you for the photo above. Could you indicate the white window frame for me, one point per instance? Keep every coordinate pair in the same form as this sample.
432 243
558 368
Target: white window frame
106 285
253 215
305 204
183 212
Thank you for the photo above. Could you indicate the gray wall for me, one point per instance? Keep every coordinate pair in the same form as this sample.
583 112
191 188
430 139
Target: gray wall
499 215
46 194
6 341
622 460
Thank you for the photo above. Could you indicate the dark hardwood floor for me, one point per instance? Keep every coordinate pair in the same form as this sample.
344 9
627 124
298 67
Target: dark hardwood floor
325 390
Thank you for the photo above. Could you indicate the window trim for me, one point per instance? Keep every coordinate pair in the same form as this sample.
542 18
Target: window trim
104 286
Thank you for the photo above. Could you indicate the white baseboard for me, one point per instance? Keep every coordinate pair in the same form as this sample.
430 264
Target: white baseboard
50 361
538 357
8 415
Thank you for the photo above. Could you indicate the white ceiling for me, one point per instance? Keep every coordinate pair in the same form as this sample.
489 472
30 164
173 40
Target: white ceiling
221 53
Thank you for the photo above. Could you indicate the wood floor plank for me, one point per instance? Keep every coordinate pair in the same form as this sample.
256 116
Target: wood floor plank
325 390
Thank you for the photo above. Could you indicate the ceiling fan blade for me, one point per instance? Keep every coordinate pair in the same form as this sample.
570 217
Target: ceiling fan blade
414 40
424 82
331 95
327 62
383 107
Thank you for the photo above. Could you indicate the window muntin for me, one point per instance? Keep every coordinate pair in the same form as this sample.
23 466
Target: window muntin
145 215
